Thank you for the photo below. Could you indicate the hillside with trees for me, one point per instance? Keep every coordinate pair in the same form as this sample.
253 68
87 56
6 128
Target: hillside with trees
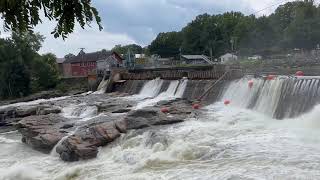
292 25
134 49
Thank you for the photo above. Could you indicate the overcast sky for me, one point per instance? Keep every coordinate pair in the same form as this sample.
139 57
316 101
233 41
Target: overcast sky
139 21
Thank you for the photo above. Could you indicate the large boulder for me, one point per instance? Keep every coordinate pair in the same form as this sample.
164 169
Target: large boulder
84 143
24 111
143 118
114 106
48 109
42 132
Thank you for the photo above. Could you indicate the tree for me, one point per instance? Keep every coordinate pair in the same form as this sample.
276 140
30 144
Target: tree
14 74
24 15
166 44
292 25
134 48
22 69
14 79
45 72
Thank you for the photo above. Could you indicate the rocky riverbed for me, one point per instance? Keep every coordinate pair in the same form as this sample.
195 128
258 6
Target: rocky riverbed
76 126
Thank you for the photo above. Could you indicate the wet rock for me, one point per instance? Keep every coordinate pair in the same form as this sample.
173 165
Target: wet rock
149 117
178 111
8 112
114 107
44 110
67 126
24 111
86 140
41 132
121 111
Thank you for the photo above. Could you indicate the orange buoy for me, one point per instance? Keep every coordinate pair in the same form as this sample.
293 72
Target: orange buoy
250 84
299 73
164 110
196 106
271 77
227 102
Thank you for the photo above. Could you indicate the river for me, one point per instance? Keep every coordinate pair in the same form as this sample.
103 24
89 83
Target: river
227 142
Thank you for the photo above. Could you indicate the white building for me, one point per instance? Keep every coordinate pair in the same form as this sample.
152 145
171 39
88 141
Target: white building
255 57
228 57
104 65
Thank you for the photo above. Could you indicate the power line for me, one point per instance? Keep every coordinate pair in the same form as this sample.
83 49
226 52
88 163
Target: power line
272 5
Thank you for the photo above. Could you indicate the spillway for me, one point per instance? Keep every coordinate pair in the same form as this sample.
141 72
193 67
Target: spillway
282 97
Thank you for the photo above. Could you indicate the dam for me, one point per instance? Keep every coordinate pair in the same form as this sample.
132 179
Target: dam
269 130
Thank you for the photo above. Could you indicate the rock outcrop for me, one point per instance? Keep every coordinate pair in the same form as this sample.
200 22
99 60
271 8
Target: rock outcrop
84 143
42 132
143 118
42 128
10 115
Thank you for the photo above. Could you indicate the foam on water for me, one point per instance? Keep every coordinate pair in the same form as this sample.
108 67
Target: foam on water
283 97
35 102
227 143
241 141
151 88
175 90
79 111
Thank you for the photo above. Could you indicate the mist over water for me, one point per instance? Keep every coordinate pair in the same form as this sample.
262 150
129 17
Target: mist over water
239 141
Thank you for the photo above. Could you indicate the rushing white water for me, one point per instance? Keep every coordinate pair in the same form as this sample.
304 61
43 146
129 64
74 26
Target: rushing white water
241 141
227 143
282 97
79 111
175 90
35 102
151 88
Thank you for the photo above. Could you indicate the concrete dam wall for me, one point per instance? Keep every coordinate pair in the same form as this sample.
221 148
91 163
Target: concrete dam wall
193 90
203 81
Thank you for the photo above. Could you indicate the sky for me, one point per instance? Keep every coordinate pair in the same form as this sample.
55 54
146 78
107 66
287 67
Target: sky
139 21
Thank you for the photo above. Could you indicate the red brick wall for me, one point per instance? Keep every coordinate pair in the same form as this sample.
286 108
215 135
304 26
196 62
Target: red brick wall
83 68
67 70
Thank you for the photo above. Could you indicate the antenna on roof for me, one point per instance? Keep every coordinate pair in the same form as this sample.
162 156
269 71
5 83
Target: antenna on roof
81 51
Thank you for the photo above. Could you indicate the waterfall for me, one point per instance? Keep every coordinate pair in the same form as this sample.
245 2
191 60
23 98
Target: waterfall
79 111
151 88
102 87
283 97
182 87
175 90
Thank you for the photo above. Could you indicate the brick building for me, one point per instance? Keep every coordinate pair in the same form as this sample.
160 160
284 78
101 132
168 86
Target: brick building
86 63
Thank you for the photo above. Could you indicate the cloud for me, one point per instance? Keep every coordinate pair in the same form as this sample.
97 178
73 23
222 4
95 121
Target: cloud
139 21
89 38
144 19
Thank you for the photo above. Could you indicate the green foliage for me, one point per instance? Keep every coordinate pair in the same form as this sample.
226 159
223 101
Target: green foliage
14 79
166 44
45 72
22 69
134 48
292 25
24 15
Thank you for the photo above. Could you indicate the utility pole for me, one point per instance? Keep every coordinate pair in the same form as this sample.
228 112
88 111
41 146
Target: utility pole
233 42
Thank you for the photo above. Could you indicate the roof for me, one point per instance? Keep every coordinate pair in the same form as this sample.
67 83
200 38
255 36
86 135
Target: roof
164 59
60 60
228 55
140 55
195 57
89 57
110 58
